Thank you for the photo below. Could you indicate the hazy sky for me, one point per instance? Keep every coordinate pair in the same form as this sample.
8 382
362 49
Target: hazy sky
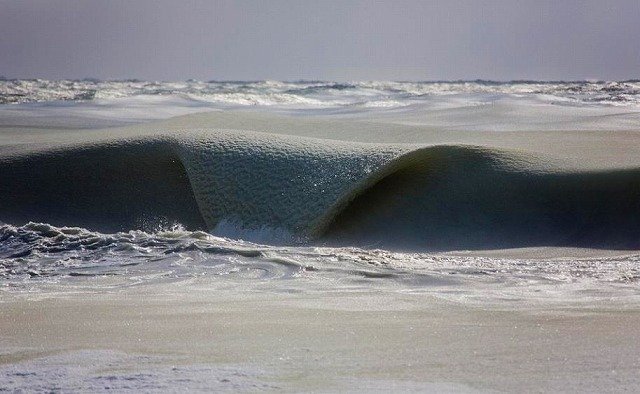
320 39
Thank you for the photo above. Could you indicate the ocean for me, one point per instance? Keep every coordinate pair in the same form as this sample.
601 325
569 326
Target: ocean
520 195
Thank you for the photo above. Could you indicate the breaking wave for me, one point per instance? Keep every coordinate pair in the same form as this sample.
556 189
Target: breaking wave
277 189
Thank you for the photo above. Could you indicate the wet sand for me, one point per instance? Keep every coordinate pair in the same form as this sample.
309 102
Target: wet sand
355 341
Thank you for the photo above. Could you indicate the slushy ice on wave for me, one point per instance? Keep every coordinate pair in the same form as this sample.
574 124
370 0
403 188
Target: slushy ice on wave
408 196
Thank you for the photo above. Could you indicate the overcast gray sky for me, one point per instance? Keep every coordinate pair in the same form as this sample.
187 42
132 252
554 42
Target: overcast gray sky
331 40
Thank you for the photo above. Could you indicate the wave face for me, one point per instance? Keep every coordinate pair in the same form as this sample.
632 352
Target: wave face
402 196
318 94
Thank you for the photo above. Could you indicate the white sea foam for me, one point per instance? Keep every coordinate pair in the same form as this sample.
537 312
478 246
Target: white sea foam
318 94
41 258
507 106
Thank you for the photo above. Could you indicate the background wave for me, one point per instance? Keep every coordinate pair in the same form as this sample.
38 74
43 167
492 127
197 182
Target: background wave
322 94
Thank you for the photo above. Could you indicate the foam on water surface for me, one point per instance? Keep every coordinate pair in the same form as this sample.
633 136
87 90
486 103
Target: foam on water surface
93 103
39 258
317 93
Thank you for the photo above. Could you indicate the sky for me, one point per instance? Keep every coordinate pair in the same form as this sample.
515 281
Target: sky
320 40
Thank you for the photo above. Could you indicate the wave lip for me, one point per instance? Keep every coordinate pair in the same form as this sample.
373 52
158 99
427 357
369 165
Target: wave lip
259 179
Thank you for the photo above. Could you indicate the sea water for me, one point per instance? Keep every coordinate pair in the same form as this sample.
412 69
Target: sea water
279 251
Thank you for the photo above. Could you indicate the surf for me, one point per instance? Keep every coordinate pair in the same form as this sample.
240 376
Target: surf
429 197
